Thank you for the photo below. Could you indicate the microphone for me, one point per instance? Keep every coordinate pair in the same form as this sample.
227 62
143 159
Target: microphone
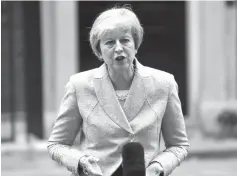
133 159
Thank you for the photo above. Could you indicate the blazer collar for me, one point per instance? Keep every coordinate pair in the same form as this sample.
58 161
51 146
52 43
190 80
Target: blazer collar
107 98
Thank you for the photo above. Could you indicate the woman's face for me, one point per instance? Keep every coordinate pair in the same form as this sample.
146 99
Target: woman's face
118 49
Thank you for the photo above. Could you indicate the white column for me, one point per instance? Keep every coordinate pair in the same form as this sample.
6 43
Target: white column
216 66
213 65
66 44
59 45
48 63
213 57
193 58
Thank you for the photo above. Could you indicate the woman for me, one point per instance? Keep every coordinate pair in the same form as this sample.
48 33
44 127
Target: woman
122 101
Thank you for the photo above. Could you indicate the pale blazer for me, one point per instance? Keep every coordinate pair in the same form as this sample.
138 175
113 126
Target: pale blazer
91 109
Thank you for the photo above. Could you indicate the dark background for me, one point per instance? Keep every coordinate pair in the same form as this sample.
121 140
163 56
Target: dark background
164 40
163 48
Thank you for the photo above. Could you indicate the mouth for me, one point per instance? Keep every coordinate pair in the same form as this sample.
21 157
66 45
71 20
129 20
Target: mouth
119 58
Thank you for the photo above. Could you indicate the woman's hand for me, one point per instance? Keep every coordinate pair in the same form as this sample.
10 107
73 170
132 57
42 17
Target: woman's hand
155 169
90 166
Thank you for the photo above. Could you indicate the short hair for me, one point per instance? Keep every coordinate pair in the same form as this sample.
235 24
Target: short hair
100 26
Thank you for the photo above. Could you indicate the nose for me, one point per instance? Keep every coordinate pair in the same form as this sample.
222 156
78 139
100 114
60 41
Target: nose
118 47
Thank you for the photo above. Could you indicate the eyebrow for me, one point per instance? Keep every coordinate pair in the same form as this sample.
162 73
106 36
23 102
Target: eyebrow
125 36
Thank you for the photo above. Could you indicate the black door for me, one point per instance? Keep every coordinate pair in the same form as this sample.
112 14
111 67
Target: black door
164 44
21 69
33 67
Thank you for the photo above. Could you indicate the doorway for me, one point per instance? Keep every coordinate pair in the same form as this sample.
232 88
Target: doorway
164 45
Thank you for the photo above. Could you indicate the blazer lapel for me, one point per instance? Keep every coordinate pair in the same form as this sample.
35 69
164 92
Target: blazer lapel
108 100
137 93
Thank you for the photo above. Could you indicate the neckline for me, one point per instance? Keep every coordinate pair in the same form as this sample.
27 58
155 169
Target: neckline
122 94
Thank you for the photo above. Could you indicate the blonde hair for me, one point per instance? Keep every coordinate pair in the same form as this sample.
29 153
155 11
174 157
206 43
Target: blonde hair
102 25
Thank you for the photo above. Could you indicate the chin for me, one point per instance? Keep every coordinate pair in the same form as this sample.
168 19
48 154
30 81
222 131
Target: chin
124 66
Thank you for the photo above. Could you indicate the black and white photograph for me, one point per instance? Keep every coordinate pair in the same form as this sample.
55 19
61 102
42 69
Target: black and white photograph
119 88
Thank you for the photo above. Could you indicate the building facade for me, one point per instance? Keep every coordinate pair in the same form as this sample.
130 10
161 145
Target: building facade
199 48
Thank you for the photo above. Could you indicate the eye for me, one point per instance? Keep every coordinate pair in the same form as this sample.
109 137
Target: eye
110 42
124 40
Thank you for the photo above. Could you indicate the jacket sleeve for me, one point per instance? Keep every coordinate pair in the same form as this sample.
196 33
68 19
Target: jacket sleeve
174 133
65 130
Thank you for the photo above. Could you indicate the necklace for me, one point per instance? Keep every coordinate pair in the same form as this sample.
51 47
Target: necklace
122 94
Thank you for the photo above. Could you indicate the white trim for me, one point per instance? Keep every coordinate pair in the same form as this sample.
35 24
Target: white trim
47 16
230 51
47 12
193 56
